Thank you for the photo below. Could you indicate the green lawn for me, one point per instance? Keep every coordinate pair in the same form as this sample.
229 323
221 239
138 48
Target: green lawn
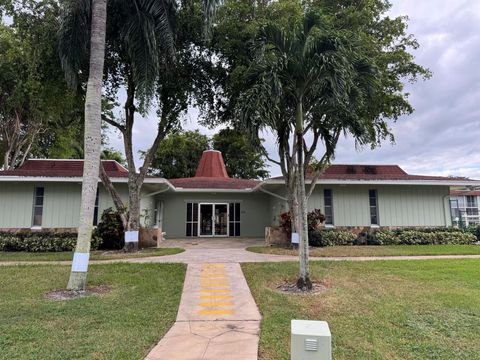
390 250
122 324
95 255
376 310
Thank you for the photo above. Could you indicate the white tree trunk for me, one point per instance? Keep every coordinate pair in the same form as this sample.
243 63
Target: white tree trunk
133 224
303 282
93 113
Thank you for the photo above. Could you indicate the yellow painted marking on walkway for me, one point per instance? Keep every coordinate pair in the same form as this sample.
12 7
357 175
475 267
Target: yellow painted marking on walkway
220 303
213 270
216 312
214 275
214 280
213 265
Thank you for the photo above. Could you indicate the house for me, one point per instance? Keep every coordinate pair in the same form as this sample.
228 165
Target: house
465 206
46 194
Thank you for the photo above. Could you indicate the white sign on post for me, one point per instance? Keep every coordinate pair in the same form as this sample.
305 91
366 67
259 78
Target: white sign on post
295 238
80 262
131 236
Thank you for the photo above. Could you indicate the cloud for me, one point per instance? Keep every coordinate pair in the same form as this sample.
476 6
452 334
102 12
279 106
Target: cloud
442 136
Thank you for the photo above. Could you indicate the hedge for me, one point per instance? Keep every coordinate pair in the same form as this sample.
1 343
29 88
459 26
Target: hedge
406 236
422 237
42 241
475 230
331 238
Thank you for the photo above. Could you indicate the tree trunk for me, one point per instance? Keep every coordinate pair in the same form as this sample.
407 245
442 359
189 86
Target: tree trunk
133 224
292 201
117 201
303 281
91 167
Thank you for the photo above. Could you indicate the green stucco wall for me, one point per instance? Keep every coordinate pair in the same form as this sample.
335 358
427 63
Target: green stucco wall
397 206
16 200
401 205
61 207
254 211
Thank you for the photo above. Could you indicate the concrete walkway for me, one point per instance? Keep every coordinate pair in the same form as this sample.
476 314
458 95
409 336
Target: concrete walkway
217 318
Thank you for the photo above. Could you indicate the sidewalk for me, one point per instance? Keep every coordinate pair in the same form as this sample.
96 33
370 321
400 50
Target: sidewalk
217 319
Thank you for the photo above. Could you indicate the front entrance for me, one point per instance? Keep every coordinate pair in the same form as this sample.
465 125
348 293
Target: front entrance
213 220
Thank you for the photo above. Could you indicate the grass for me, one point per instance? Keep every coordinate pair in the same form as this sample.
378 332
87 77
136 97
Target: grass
376 310
122 324
387 250
94 255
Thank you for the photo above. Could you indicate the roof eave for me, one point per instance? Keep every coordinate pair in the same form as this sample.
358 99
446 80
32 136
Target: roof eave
385 182
210 190
76 179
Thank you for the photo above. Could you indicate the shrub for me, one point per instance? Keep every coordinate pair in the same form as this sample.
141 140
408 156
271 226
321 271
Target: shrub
42 241
315 219
427 236
331 238
110 230
475 230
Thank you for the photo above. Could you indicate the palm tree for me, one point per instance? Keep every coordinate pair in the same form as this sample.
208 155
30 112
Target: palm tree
140 41
93 111
305 79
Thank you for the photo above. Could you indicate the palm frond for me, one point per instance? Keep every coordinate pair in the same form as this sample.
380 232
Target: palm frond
74 37
148 35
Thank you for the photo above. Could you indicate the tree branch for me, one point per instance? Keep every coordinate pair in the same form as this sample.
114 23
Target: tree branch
324 161
113 123
163 128
117 201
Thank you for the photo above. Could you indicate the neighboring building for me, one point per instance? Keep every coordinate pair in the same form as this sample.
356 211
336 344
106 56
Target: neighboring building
46 194
465 207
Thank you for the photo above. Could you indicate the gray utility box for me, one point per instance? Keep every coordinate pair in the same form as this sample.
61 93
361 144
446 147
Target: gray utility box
311 340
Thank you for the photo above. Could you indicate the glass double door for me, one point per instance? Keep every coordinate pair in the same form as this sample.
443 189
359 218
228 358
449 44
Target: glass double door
213 220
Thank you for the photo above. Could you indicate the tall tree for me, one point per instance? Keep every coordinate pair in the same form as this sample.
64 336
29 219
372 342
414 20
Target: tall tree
36 106
140 50
242 159
93 143
179 154
311 78
181 151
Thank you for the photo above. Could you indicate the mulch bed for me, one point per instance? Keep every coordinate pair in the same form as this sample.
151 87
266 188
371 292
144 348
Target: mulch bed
63 294
291 288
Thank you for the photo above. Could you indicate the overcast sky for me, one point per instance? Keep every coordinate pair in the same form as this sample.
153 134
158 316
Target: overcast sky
442 136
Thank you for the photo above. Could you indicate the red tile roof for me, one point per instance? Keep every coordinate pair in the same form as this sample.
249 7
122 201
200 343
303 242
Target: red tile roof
62 168
212 174
374 172
211 165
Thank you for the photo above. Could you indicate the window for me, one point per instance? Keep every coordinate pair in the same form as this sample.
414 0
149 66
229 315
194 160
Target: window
328 206
95 211
234 219
192 219
372 194
472 205
38 194
455 208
